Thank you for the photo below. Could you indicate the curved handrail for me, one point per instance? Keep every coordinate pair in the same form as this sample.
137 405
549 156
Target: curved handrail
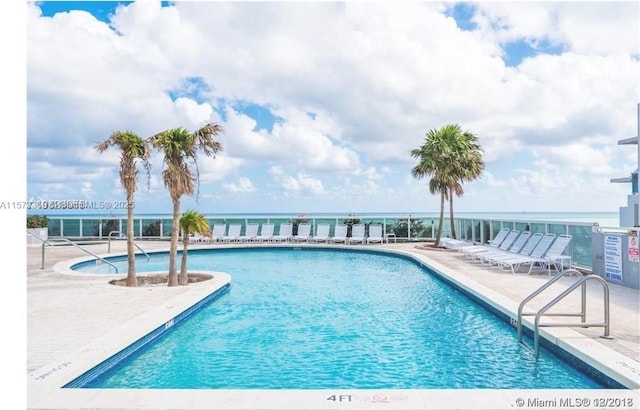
134 244
543 287
48 242
109 239
606 324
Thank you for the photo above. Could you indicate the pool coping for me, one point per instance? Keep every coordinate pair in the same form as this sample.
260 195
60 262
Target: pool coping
54 376
45 391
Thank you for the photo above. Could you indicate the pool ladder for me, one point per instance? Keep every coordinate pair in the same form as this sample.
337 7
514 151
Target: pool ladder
134 244
51 241
582 314
98 258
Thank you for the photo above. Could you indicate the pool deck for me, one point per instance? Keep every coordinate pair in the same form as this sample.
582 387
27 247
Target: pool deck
71 318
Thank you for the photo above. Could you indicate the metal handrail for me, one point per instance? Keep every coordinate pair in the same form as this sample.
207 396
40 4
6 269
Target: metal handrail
606 324
48 242
583 312
134 244
542 288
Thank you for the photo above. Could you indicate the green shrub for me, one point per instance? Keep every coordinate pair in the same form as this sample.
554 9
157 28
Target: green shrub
301 219
37 221
108 225
350 221
401 229
152 229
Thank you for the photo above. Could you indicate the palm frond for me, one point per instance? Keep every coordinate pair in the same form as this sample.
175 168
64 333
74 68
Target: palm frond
194 222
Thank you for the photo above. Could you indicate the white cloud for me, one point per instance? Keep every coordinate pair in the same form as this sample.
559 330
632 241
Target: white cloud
194 113
216 169
298 140
355 87
581 158
309 184
86 190
243 185
587 28
302 184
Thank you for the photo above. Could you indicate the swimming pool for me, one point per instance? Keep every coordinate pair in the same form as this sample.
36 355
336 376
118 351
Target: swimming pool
332 318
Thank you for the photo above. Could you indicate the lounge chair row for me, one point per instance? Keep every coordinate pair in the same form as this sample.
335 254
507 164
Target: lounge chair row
231 233
512 250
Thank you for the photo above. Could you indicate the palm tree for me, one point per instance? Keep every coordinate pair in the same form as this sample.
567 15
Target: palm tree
196 223
466 164
449 157
180 149
438 186
132 148
454 188
429 164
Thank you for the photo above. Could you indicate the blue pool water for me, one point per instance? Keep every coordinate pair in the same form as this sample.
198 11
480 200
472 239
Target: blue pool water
321 319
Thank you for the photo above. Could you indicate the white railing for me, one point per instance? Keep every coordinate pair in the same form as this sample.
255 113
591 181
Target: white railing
402 227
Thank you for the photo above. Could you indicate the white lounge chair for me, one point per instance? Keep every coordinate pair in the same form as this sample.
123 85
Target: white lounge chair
339 234
555 255
322 233
284 233
250 233
525 251
233 233
493 244
504 246
537 254
218 232
451 243
515 249
196 237
266 233
304 233
375 234
357 234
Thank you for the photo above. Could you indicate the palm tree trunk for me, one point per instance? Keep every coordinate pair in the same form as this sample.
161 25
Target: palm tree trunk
132 280
441 221
184 277
173 249
453 225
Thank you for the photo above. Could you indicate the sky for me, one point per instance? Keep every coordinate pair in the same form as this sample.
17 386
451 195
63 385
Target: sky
322 102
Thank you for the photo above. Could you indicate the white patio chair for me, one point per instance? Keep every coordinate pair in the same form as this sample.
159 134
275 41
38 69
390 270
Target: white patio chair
357 234
284 233
304 233
375 234
339 234
250 233
266 233
233 233
322 233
